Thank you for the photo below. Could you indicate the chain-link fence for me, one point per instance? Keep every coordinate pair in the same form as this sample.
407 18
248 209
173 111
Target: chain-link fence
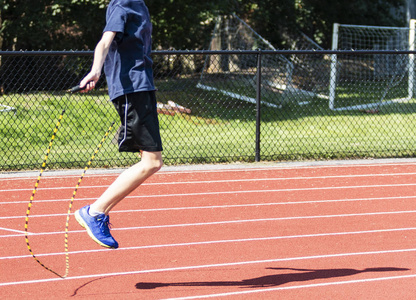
216 106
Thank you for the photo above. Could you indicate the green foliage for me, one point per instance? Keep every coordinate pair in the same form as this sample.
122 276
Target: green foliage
51 24
185 24
316 17
78 24
275 24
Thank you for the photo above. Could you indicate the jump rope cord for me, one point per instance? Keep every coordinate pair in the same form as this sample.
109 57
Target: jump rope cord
34 192
75 192
70 204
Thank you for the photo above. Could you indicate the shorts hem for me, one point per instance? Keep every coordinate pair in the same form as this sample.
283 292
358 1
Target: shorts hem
141 149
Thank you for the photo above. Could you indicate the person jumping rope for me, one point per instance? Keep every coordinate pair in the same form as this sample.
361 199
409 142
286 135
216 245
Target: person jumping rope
124 50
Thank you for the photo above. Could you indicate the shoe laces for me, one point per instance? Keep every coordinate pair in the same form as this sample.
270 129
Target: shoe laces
105 225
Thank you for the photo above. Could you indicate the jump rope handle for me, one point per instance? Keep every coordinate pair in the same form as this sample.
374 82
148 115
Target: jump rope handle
76 88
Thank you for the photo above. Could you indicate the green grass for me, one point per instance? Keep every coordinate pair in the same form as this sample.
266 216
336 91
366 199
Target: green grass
219 129
358 93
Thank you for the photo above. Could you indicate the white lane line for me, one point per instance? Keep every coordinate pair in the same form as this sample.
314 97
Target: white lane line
237 221
261 191
227 181
222 206
343 164
12 230
217 242
270 219
49 200
305 286
216 206
197 267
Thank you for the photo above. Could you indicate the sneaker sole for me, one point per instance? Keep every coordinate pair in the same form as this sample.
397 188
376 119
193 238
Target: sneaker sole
81 222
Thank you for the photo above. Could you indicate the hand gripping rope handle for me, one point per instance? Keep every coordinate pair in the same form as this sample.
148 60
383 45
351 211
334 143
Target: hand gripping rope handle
70 204
76 88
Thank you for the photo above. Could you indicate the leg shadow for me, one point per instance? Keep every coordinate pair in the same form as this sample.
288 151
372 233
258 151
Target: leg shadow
301 275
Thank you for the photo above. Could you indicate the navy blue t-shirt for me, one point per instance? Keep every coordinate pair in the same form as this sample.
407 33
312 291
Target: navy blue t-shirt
128 66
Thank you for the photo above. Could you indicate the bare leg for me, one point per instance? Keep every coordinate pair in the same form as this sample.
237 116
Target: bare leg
128 181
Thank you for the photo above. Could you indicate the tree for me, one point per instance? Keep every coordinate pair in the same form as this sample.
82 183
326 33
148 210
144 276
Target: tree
316 17
272 21
51 24
185 24
278 21
78 24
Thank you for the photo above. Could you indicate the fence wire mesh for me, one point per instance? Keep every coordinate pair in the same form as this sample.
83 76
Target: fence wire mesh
216 106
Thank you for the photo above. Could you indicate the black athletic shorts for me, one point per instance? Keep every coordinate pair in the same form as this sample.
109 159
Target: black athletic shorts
139 129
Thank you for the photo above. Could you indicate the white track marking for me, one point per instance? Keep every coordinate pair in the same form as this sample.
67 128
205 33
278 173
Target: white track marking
223 206
239 221
218 168
305 286
264 191
219 265
270 219
227 181
215 206
246 240
12 230
47 201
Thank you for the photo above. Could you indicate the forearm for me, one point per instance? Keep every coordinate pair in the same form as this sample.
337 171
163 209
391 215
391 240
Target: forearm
100 53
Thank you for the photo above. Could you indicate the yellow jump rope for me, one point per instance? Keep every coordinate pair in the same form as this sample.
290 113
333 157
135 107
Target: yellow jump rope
70 204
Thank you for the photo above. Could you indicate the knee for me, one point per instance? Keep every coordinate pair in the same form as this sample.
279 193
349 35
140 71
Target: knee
151 162
154 166
157 165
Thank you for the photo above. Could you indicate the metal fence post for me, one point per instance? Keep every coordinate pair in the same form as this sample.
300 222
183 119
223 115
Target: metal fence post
258 106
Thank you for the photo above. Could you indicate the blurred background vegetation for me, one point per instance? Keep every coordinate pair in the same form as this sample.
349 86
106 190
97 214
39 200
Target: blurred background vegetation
188 24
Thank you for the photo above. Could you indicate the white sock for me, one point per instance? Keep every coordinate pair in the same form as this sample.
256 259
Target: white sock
94 213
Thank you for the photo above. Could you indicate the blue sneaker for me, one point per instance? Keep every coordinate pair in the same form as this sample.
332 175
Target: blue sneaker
97 227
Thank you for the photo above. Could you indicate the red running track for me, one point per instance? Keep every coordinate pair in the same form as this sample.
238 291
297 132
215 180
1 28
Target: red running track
340 231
